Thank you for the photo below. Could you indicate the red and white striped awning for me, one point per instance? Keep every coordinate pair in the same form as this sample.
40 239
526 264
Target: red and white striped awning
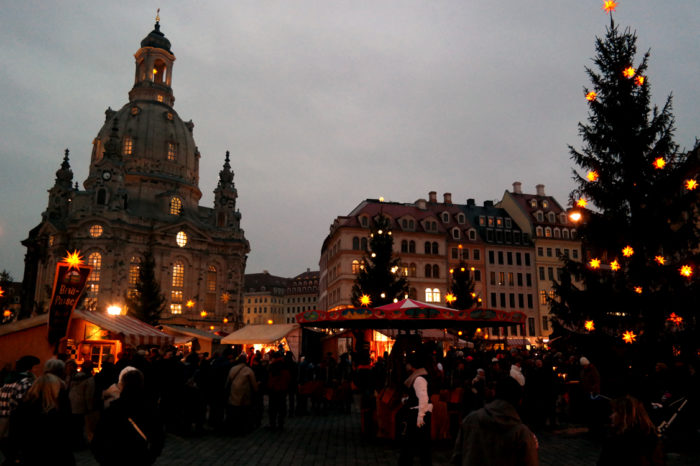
133 331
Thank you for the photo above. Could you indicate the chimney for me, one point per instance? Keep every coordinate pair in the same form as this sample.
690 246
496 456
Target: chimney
447 198
432 196
488 203
517 187
540 189
471 202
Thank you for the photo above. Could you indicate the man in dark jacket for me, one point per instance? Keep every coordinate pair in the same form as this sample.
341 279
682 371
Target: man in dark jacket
495 434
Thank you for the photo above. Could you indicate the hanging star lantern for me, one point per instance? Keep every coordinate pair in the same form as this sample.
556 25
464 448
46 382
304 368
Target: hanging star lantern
639 80
225 297
686 271
609 6
615 266
583 202
629 72
591 96
659 163
629 337
594 263
589 325
628 251
690 185
73 259
660 260
638 289
675 318
190 303
450 298
365 300
592 175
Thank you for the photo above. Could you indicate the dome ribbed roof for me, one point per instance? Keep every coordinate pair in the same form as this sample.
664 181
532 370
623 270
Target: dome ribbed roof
156 39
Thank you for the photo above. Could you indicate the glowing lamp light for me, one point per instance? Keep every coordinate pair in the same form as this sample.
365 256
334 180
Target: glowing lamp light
365 300
450 298
592 175
594 263
114 310
383 295
459 247
462 269
583 202
629 337
479 300
638 289
639 80
615 266
211 327
609 6
675 318
686 271
73 259
575 216
6 313
2 292
203 313
591 96
190 303
459 333
472 269
379 232
589 325
473 295
374 254
225 320
659 163
269 322
155 71
629 72
660 260
381 199
452 270
628 251
690 185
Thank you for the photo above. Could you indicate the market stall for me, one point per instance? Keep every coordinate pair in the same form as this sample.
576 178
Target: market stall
190 339
267 337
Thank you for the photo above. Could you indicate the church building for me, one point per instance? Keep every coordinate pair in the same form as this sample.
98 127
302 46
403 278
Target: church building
142 195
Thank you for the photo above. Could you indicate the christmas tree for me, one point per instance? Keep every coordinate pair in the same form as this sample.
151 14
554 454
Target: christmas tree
462 288
638 209
146 303
379 281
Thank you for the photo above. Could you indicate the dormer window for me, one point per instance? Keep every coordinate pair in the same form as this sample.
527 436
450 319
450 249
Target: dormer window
509 223
533 203
545 204
172 151
482 221
557 233
538 231
175 206
455 233
552 217
539 216
461 219
363 221
472 235
445 217
562 218
490 221
499 222
548 232
127 145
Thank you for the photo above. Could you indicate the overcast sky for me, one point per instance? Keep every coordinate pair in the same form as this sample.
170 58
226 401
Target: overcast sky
326 103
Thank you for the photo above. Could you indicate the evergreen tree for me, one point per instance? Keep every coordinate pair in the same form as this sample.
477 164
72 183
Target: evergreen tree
462 288
380 277
146 303
639 223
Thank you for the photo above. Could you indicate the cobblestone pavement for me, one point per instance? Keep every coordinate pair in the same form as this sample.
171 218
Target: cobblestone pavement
335 439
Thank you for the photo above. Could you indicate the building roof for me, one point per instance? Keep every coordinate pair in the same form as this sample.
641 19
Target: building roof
255 282
156 39
192 332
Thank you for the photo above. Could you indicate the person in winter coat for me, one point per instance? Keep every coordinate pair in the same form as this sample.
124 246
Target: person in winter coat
495 434
242 387
414 428
277 388
130 431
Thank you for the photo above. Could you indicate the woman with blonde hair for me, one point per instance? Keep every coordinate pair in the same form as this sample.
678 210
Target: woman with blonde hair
39 425
633 437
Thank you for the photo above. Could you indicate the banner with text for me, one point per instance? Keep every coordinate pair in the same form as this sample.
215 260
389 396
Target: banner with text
68 285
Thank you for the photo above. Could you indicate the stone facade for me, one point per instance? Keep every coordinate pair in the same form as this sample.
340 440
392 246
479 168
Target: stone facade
142 193
271 299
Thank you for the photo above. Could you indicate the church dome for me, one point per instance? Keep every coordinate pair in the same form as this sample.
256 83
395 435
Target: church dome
156 39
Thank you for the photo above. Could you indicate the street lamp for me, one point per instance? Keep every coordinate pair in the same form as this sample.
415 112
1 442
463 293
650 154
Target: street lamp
114 310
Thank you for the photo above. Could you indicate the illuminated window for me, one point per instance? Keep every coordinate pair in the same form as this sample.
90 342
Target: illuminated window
428 295
134 271
543 297
176 292
127 145
160 99
210 300
175 206
176 308
52 239
356 266
172 151
181 239
538 231
93 281
548 232
96 231
178 275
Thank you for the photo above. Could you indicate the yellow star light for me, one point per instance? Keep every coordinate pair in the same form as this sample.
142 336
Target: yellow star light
686 271
629 337
659 163
591 96
660 260
365 300
675 318
589 325
615 266
225 297
639 80
189 303
2 292
628 251
629 72
638 289
203 313
583 202
73 259
609 6
594 263
450 298
690 185
592 175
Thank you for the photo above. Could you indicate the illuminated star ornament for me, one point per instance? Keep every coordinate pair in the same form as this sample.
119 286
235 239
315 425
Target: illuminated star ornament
629 337
686 271
639 80
365 300
190 303
659 163
690 185
591 96
2 292
73 259
615 266
628 251
638 289
609 6
675 318
592 175
450 298
225 297
660 260
589 325
594 263
583 202
629 72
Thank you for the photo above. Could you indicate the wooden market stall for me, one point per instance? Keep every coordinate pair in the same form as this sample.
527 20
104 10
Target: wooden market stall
267 337
191 339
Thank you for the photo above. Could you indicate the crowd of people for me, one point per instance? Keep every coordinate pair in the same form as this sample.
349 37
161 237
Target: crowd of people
123 411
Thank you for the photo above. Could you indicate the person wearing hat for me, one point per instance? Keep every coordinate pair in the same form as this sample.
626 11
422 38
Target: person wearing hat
11 393
414 428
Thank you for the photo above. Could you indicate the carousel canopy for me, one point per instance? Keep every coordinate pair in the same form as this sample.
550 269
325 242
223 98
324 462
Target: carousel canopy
410 314
259 334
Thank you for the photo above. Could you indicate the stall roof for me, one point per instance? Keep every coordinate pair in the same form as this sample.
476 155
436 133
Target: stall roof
259 334
192 332
134 331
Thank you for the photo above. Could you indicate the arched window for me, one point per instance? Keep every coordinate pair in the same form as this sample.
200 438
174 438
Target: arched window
552 217
565 233
404 246
412 247
355 266
427 247
460 218
445 217
412 270
355 243
93 281
472 235
428 295
101 197
538 231
557 233
178 283
159 69
435 248
548 232
175 206
413 293
363 243
172 151
436 271
436 295
540 217
533 203
127 146
573 233
210 299
428 270
134 275
455 233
